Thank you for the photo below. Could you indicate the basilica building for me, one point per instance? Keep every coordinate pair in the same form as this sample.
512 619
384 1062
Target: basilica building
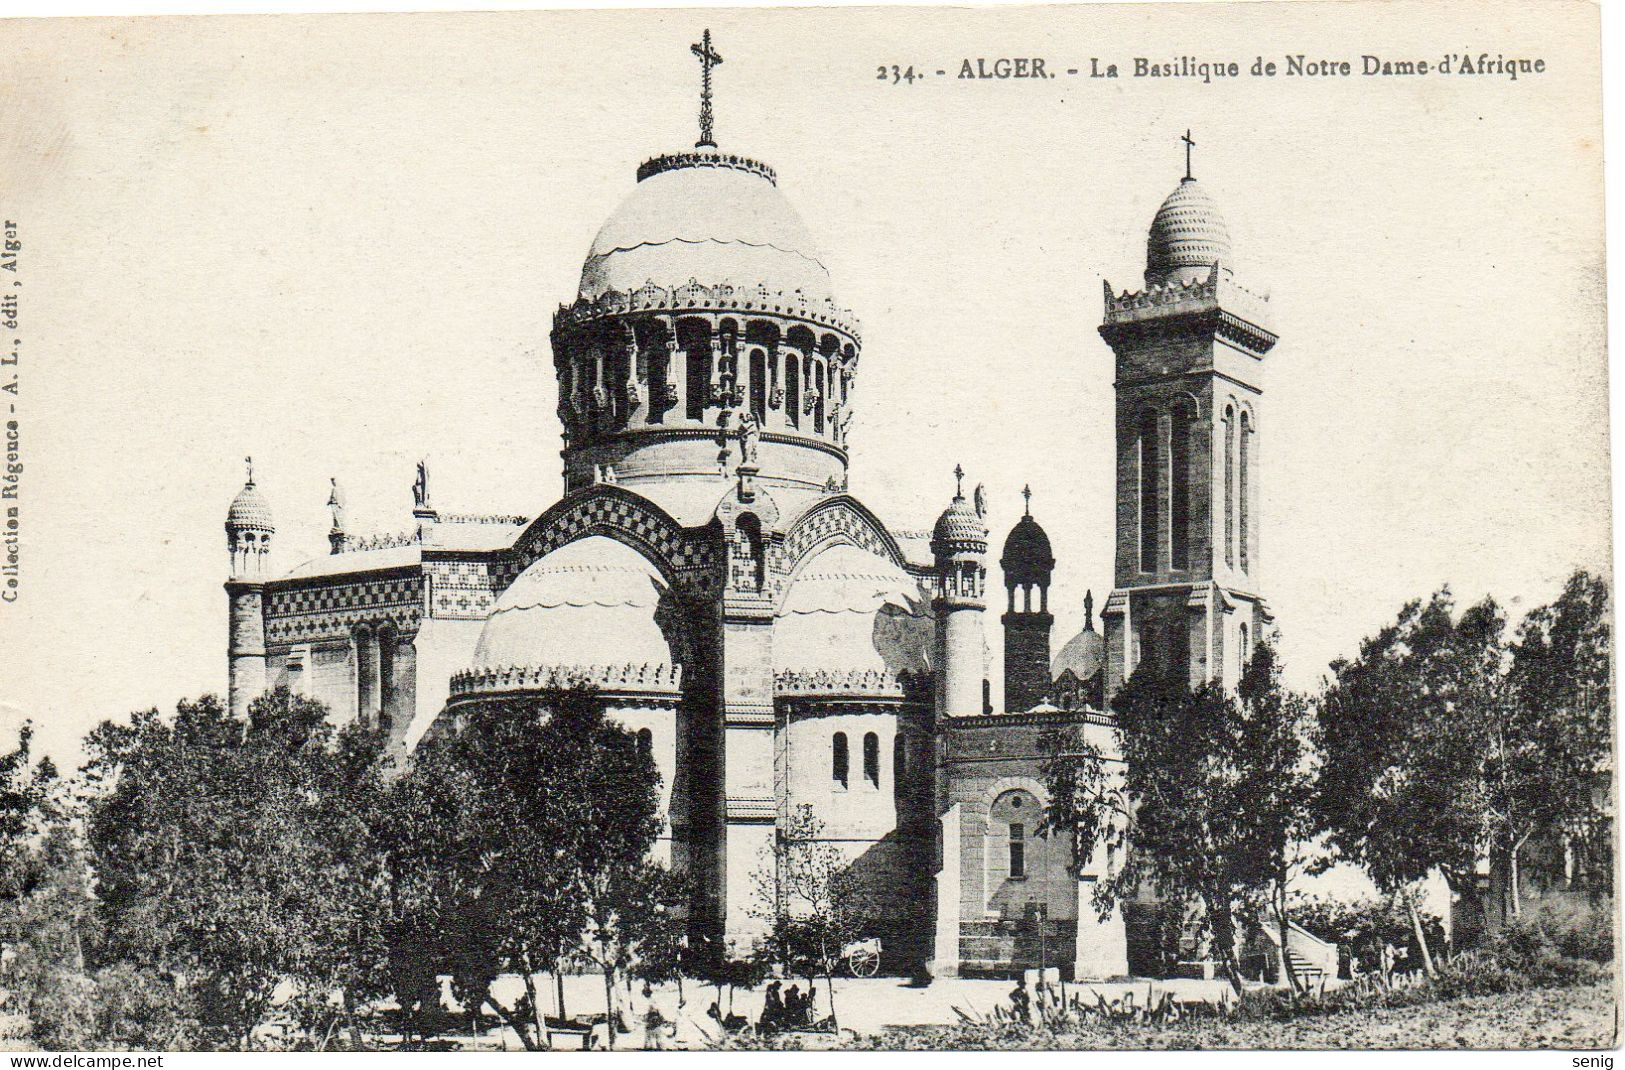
773 641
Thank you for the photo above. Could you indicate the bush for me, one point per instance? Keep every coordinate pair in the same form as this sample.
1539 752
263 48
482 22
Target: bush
1562 927
120 1008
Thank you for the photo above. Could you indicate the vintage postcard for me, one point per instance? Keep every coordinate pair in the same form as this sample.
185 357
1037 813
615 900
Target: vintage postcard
1053 527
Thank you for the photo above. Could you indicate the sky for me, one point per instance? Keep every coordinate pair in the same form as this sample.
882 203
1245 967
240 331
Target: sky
336 243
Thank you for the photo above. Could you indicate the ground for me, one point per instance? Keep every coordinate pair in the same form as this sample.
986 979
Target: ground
892 1014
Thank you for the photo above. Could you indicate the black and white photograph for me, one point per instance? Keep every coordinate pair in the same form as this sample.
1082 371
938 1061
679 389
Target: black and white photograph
907 528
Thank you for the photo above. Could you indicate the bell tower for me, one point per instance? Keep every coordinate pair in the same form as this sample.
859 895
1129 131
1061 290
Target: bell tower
1189 351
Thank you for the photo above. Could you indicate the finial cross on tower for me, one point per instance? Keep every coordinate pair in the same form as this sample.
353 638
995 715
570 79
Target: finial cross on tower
249 461
1027 493
1189 145
708 59
959 482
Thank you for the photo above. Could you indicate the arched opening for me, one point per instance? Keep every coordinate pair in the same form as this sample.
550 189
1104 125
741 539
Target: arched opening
758 384
838 765
751 571
1229 486
386 678
1244 489
694 337
818 397
1179 487
871 759
792 389
1150 521
646 741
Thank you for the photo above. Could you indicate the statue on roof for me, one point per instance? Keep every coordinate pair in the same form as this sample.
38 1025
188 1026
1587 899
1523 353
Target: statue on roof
420 487
979 497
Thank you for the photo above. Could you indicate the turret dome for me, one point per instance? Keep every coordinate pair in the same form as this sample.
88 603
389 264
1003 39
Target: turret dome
250 510
1085 653
1027 556
960 529
1187 238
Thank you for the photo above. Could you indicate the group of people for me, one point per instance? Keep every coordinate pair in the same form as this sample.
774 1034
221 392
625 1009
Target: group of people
787 1010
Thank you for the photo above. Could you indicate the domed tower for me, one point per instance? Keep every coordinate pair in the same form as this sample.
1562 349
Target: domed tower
1190 354
249 529
959 546
248 539
1028 563
705 335
1078 672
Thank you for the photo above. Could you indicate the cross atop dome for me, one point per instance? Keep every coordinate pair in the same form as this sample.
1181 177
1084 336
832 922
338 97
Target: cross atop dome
1027 494
708 58
1189 145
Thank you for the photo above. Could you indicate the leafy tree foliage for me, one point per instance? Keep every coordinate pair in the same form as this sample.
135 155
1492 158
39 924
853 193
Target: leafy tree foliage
1445 742
1208 806
232 856
1405 728
1551 755
815 903
522 835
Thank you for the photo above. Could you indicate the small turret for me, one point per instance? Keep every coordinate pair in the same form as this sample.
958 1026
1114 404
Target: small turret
1028 563
248 537
249 529
959 545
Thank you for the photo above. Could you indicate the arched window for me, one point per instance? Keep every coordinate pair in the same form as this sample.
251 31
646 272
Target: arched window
1013 819
1246 649
792 389
871 759
1243 490
695 337
1179 487
818 405
1229 486
646 741
758 384
1150 522
838 760
386 679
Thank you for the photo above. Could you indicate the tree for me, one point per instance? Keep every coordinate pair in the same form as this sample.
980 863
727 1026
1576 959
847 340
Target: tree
1206 805
1405 728
631 911
227 858
815 903
1274 761
1551 752
518 826
27 806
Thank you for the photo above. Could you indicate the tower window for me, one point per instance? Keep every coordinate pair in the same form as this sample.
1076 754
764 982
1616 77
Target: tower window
818 404
1150 522
838 760
1229 486
871 759
1179 487
1246 443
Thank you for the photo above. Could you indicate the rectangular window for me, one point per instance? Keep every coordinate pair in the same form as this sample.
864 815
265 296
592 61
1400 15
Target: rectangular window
1018 850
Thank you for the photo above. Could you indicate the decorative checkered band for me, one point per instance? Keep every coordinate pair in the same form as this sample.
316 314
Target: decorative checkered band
620 515
333 610
827 521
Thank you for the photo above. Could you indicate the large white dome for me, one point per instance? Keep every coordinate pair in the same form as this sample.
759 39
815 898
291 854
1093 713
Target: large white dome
851 611
592 602
710 218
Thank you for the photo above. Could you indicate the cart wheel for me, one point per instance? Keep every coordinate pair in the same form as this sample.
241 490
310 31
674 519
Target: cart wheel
864 964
